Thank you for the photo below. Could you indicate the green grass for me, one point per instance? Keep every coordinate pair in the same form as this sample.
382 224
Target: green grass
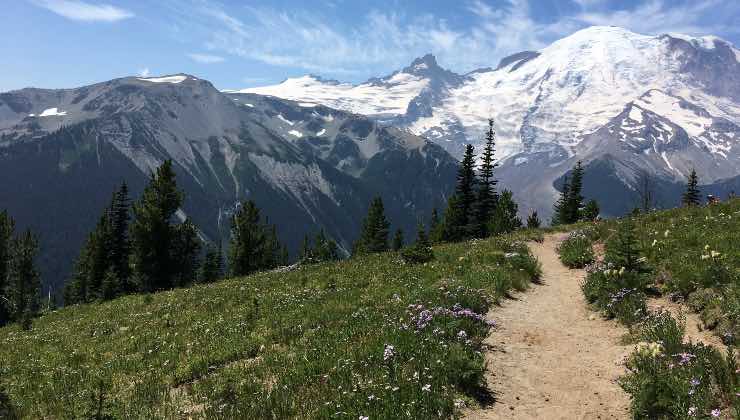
365 337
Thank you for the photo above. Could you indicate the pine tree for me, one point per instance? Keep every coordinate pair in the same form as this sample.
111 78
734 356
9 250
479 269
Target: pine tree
436 227
591 211
325 249
691 197
398 240
623 250
533 221
306 250
152 233
184 255
453 227
24 282
421 251
465 192
505 219
248 238
212 268
120 249
574 198
109 287
374 235
487 195
7 231
559 215
272 249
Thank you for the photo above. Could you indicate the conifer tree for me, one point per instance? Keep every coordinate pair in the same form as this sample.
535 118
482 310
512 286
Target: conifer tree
7 231
559 215
691 196
374 235
487 195
505 219
248 239
591 211
152 232
421 251
306 250
454 222
398 240
120 247
436 227
24 282
465 192
272 250
623 250
325 249
533 221
575 198
184 255
212 268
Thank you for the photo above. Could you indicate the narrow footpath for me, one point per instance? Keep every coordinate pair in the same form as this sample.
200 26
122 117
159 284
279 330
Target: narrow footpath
551 357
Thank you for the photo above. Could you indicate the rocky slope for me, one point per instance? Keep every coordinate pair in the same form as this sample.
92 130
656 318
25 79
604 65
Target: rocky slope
306 167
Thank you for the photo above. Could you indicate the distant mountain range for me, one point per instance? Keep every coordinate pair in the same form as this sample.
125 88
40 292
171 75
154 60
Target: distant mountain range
63 152
622 102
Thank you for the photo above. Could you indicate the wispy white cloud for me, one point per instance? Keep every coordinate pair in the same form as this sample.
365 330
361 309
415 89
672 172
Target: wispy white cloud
83 11
206 58
384 40
144 72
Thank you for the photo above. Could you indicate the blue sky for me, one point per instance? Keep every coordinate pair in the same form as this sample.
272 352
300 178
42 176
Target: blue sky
236 44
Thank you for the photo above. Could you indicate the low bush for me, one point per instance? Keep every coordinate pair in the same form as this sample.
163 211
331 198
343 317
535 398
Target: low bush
577 250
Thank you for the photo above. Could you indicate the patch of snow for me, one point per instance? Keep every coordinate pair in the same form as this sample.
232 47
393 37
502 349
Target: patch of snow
295 133
249 105
280 116
322 132
51 112
635 114
307 104
166 79
670 107
520 160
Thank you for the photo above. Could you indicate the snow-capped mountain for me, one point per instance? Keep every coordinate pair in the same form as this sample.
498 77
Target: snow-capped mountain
670 102
307 168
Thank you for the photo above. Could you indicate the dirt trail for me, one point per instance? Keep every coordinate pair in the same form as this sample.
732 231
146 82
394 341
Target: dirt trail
551 357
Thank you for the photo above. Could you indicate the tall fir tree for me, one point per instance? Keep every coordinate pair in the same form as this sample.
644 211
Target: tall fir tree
306 253
575 197
212 268
120 249
533 221
692 197
465 192
505 219
325 249
248 239
153 234
272 249
560 210
374 235
436 227
184 255
24 281
398 240
487 196
591 211
7 231
421 251
453 228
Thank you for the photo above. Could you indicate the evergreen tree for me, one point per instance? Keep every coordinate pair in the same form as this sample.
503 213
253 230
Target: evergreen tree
120 247
374 235
109 287
505 219
691 197
487 195
453 227
623 250
436 227
306 250
398 240
325 249
248 239
24 282
465 192
212 268
284 256
152 232
559 215
574 198
7 231
421 251
591 211
533 221
184 255
272 250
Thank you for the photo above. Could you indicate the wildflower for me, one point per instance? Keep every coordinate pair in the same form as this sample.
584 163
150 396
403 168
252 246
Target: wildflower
695 382
389 352
692 411
371 397
715 254
462 335
716 412
427 388
364 418
655 242
665 234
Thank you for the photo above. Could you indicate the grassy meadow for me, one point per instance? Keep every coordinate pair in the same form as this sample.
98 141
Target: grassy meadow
366 338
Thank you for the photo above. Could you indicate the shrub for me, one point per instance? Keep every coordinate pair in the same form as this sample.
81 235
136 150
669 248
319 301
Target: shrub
577 250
